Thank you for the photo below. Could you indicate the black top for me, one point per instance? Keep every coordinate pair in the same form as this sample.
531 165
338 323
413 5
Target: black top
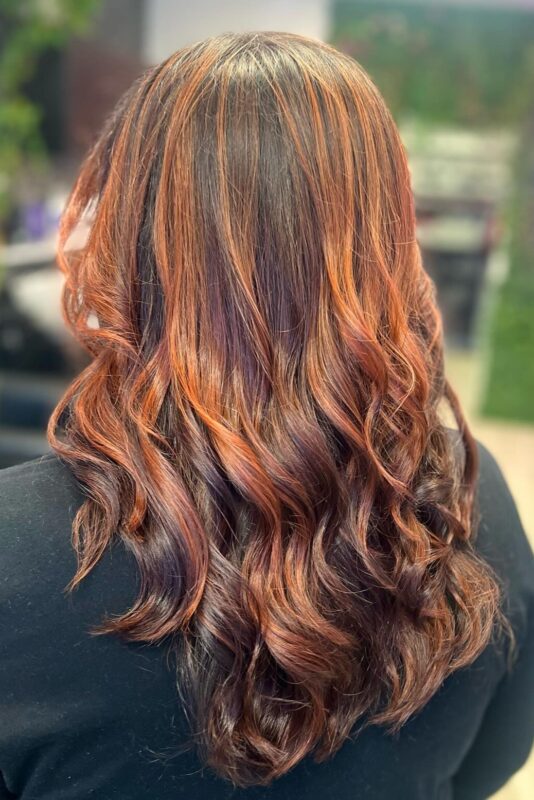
86 716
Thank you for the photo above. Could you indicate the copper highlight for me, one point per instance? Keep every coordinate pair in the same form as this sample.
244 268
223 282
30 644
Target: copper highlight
260 421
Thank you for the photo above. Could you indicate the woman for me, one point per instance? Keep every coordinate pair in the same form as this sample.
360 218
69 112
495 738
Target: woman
289 578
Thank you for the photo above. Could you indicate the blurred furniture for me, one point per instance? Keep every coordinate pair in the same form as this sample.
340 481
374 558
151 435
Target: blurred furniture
461 181
37 358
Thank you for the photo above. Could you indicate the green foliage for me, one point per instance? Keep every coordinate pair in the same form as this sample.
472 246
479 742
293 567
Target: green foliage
27 28
510 390
442 63
510 387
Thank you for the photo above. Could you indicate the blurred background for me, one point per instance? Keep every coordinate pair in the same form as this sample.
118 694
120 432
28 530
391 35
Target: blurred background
458 76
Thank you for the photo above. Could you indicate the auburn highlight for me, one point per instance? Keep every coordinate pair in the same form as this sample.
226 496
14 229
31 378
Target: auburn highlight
261 421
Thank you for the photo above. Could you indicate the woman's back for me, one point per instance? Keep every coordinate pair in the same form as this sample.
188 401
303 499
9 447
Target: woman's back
266 488
85 716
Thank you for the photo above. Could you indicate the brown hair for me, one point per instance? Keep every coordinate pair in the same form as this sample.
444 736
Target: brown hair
259 422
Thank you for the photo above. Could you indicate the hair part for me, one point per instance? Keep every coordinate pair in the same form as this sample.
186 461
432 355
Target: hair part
260 420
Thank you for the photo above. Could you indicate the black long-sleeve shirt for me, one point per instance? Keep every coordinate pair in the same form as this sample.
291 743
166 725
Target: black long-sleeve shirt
85 716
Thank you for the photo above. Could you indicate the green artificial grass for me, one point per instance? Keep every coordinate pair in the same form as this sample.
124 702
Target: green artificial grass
509 391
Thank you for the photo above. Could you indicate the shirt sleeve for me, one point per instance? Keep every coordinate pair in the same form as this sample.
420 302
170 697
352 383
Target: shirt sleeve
506 734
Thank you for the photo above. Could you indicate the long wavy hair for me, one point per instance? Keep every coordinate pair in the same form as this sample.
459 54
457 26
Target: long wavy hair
260 421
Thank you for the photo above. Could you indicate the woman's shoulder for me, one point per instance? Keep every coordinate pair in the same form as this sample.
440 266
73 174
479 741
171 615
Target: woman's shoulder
39 475
502 541
38 501
500 534
38 495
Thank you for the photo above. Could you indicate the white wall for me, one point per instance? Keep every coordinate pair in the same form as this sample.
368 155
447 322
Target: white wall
171 24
